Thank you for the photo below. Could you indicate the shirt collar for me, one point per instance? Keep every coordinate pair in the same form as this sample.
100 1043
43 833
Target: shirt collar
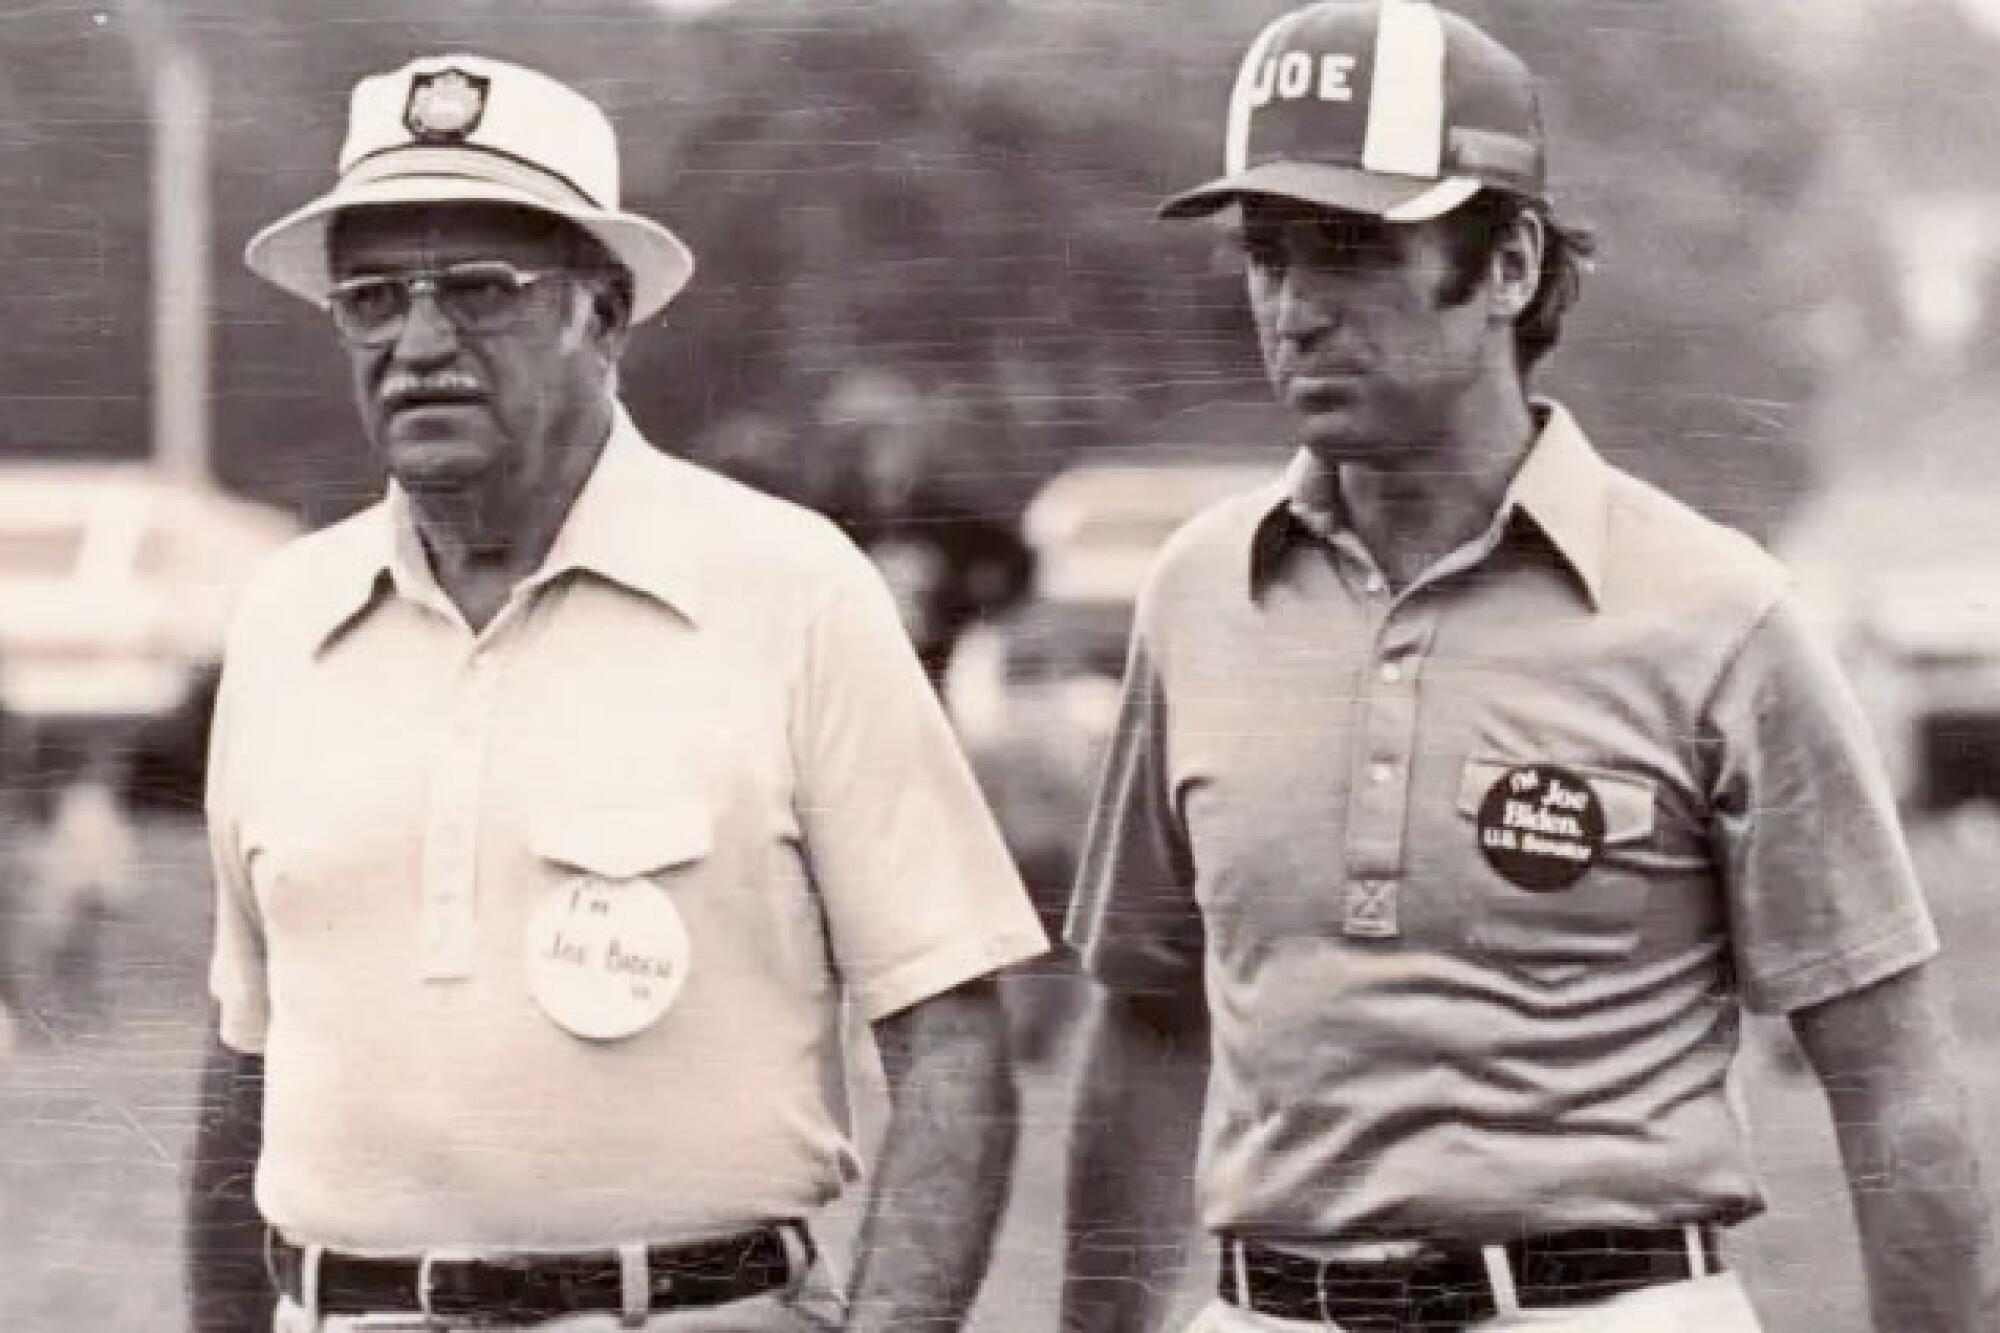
361 560
636 524
1562 487
633 524
1565 487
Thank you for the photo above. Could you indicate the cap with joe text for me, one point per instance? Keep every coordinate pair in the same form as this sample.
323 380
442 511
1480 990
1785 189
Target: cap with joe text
1392 108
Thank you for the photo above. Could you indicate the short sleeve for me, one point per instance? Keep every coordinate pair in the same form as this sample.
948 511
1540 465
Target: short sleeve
918 888
1134 918
236 973
1823 898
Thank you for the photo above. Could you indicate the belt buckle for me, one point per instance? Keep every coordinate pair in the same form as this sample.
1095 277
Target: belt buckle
1397 1304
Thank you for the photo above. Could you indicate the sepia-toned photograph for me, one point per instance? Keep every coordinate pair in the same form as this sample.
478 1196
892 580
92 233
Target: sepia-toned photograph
999 666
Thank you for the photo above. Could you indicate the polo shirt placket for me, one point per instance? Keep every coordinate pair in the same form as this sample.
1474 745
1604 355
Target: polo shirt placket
448 918
1379 788
1382 762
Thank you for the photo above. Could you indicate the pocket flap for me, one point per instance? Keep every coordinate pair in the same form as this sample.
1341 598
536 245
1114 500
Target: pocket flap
626 844
1478 779
1627 799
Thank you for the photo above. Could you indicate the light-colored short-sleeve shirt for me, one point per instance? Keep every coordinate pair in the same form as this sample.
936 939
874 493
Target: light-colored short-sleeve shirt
703 688
1478 874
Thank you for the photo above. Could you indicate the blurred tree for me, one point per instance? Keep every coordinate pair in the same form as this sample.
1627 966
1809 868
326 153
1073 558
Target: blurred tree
870 187
1699 151
72 238
1916 82
968 190
958 191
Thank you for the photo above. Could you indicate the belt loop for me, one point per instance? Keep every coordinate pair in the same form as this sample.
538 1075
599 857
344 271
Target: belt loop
798 1256
424 1286
1697 1249
271 1272
635 1285
309 1259
1500 1276
1319 1294
1242 1267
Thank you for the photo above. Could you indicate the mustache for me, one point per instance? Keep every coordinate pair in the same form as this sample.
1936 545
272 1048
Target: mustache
405 386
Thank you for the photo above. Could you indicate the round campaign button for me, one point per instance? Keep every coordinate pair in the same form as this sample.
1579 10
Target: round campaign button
606 957
1541 827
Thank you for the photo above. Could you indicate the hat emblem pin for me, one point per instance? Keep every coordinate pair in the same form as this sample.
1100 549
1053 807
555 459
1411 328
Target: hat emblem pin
445 105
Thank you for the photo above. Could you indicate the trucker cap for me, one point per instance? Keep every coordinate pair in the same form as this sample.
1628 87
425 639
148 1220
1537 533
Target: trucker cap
1390 107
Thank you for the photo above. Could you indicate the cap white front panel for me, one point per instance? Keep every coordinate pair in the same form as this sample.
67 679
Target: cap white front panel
1406 109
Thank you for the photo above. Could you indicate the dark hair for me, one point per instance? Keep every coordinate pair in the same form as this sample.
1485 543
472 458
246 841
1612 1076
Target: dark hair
1474 232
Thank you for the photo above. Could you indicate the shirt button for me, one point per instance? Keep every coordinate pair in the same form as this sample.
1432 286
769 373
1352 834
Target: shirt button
1391 673
1375 585
1379 773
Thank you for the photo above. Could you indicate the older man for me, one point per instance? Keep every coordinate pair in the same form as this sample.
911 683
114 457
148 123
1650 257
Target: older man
1465 791
561 804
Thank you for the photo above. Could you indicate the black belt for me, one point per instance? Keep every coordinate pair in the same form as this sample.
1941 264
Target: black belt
1448 1286
532 1287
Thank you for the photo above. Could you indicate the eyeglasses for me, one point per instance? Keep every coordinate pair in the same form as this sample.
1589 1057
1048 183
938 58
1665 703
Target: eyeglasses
479 296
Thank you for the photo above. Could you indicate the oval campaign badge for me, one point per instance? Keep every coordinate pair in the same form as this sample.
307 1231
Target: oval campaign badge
1541 827
606 957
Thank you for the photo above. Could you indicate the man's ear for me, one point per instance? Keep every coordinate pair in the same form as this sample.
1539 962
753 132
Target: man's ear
612 308
600 315
1517 266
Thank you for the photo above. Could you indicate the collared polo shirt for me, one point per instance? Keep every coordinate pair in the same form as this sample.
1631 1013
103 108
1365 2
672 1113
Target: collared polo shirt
1436 1014
702 687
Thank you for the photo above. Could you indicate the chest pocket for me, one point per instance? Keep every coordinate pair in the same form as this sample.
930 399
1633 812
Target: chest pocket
627 844
1554 934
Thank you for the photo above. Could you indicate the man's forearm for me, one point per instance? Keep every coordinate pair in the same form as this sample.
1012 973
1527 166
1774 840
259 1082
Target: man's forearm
228 1291
946 1162
1886 1057
1132 1155
1925 1213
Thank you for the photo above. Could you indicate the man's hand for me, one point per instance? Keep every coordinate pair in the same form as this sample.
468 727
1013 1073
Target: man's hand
1886 1057
1132 1152
947 1160
228 1291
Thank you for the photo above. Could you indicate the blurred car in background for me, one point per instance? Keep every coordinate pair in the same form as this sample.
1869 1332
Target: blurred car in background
1053 668
1923 652
116 587
1905 580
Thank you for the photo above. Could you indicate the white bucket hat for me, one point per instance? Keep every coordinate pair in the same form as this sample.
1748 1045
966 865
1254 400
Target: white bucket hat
459 128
